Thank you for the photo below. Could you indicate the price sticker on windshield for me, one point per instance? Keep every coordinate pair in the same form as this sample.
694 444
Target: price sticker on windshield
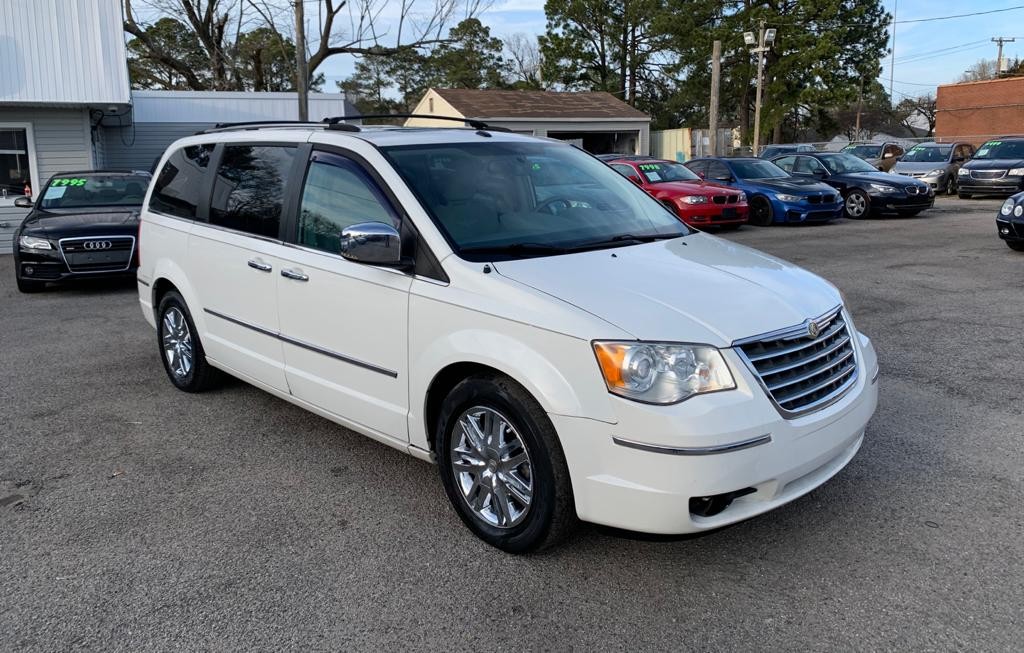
68 181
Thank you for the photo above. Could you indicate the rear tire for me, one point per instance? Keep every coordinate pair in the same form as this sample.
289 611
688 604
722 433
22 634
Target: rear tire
29 286
857 204
761 212
180 348
502 465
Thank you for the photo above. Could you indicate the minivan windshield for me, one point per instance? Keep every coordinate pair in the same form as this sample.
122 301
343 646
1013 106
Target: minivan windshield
928 154
1001 150
77 191
501 199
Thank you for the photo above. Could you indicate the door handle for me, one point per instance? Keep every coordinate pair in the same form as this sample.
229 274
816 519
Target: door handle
257 264
293 274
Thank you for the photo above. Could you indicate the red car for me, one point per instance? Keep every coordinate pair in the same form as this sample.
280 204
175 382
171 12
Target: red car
697 202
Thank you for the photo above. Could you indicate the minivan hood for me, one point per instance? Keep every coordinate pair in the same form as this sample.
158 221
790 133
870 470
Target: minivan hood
693 289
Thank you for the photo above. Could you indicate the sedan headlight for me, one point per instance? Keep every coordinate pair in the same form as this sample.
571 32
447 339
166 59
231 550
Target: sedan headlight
742 197
1019 211
1016 172
662 373
1007 207
788 198
962 172
882 188
694 199
938 172
31 242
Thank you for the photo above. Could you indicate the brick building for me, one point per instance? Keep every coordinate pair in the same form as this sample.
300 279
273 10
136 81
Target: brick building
975 111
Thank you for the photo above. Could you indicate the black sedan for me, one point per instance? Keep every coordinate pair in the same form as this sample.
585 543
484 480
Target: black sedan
1010 222
83 225
865 190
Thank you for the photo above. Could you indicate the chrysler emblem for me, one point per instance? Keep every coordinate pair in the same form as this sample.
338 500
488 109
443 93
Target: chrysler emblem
813 330
97 244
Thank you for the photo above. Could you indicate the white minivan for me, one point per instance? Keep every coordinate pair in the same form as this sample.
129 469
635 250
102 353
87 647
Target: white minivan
509 307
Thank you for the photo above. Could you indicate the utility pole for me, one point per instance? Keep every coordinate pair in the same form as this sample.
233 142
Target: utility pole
301 75
716 72
999 59
892 59
764 40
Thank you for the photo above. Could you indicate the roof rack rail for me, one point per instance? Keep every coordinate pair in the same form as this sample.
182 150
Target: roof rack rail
260 124
472 122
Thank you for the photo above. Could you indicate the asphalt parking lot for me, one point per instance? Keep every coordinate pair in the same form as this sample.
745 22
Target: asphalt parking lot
136 517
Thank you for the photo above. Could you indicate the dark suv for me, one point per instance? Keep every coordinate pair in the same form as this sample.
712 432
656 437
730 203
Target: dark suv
996 169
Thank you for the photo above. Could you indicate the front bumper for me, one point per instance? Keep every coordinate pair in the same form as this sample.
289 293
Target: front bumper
651 491
1001 186
937 182
58 265
895 204
1010 230
797 212
713 214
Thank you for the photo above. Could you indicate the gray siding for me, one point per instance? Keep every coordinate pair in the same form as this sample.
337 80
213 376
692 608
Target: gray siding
62 143
150 141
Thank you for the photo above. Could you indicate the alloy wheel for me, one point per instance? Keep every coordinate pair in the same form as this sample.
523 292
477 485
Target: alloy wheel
492 467
856 205
177 342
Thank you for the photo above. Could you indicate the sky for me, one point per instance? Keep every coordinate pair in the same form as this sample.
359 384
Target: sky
927 53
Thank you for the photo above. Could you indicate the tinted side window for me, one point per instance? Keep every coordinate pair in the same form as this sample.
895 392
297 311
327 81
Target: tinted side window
718 170
176 188
338 193
248 192
699 168
786 163
624 170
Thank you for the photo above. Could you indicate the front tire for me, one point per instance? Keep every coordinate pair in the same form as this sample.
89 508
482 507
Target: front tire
951 185
857 204
180 348
964 196
1017 247
502 465
761 212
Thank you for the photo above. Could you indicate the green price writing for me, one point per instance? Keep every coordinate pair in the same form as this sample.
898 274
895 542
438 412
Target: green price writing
650 166
68 182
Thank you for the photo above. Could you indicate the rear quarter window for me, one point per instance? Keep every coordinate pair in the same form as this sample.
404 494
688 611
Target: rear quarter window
177 186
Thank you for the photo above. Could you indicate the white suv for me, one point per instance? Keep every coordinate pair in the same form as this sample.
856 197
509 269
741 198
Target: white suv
511 308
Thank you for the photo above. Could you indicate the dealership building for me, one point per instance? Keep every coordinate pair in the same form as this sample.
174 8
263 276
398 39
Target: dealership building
66 102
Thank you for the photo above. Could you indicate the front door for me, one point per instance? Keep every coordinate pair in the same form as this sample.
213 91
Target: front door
344 325
235 260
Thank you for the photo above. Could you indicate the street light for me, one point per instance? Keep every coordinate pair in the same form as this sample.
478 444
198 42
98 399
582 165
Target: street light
764 41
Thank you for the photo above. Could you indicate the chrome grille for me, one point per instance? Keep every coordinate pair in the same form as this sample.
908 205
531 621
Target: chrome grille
802 373
988 174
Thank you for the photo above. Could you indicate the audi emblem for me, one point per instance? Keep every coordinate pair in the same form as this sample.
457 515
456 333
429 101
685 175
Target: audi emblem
97 244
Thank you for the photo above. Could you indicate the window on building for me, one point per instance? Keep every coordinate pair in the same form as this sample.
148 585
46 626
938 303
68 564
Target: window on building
15 169
176 189
248 193
338 194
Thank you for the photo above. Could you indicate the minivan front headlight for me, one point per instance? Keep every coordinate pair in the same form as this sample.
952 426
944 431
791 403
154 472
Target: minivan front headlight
1016 172
661 372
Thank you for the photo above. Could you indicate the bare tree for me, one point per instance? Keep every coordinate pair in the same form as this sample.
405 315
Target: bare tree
524 55
980 71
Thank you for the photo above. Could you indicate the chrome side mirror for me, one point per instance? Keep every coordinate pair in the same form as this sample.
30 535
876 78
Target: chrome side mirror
375 243
23 202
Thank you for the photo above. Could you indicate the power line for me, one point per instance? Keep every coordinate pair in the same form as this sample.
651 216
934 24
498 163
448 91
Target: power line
976 13
950 49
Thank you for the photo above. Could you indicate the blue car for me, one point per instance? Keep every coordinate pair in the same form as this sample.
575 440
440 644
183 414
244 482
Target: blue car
774 195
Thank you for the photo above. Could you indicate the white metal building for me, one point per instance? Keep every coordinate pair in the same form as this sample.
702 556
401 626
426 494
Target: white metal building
66 103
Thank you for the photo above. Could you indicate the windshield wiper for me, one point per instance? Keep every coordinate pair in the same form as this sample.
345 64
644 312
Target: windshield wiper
515 248
623 239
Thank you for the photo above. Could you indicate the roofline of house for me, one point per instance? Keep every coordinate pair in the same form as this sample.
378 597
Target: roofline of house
570 119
